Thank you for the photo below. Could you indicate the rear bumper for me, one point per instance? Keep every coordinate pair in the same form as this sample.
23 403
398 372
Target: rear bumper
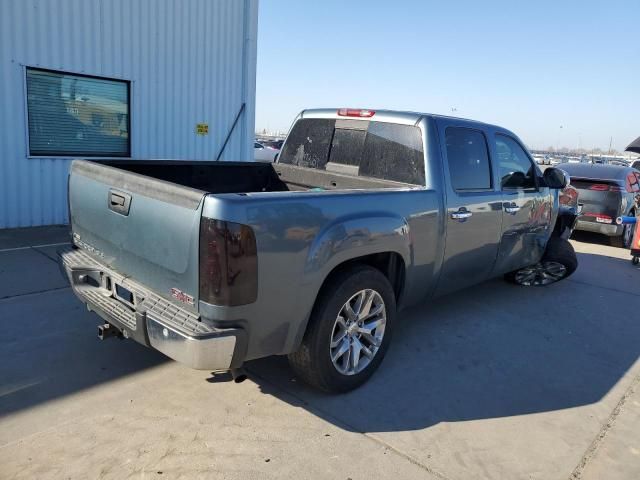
603 228
150 319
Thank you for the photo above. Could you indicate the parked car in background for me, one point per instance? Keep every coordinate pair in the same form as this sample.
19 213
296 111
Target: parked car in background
365 212
542 159
277 144
264 153
606 192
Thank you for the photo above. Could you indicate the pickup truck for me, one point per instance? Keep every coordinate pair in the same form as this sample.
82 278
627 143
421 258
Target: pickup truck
364 213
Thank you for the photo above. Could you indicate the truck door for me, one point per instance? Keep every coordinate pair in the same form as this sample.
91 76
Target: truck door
526 207
473 207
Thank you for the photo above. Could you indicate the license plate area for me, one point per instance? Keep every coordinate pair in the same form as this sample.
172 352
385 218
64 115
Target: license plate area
122 294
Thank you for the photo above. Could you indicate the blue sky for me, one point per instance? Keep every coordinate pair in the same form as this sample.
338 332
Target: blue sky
531 67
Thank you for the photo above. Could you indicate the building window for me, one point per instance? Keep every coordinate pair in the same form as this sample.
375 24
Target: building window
72 114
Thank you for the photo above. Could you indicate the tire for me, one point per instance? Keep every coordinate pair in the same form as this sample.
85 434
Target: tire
313 362
624 240
558 262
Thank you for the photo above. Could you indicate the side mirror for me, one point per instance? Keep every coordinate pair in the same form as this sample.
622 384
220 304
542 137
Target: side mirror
556 178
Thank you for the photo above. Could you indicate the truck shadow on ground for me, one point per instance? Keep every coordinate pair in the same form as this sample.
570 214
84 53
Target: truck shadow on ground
51 351
495 350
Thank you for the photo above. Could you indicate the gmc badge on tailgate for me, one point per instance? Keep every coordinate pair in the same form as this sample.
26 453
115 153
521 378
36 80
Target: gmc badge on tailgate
181 296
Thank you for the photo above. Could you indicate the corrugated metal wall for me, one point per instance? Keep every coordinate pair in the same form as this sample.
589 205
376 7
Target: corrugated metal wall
189 61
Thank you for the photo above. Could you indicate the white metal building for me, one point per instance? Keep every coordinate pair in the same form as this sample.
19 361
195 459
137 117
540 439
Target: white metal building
118 78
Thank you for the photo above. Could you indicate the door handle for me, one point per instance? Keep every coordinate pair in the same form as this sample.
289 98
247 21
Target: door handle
512 209
461 215
119 202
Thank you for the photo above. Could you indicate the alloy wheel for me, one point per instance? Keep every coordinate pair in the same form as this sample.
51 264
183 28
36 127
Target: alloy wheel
358 332
542 273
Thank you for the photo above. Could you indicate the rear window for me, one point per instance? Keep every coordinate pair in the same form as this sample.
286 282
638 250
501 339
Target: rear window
386 151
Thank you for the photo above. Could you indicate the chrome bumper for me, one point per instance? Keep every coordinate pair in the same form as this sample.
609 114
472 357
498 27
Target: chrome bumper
603 228
149 319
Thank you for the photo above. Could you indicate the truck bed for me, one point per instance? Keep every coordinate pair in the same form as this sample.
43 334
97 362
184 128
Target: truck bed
246 177
142 218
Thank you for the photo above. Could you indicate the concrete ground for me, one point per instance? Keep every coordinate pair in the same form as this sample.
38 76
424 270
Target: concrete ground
494 382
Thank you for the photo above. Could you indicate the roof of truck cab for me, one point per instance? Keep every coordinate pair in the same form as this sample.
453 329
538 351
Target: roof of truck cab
399 116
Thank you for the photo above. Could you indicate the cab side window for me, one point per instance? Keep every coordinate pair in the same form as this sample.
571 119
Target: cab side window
468 159
516 168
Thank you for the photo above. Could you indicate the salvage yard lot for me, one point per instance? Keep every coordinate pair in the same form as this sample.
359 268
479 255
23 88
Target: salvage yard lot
496 381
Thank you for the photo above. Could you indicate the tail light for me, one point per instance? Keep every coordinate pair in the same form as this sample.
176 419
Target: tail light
354 112
603 187
569 196
228 263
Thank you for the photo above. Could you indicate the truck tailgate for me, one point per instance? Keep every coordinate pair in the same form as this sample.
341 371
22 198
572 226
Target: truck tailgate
143 228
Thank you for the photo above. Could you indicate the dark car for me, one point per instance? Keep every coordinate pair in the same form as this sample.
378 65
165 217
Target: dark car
605 193
636 165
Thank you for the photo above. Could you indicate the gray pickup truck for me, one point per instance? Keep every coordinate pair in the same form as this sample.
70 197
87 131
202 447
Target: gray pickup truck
365 212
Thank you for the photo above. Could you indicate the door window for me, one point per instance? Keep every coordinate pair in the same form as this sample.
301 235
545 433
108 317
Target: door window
516 168
468 159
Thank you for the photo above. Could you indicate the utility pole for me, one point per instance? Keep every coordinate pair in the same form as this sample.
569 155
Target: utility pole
610 142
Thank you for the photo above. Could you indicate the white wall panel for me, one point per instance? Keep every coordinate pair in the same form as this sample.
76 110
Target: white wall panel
189 61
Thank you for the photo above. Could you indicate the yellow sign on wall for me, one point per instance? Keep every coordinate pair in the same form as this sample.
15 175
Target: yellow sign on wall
202 128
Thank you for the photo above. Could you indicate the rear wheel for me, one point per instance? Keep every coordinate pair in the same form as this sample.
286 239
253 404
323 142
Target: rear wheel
624 240
349 331
558 262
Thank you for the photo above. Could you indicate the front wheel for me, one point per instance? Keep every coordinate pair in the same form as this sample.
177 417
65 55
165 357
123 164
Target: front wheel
558 262
349 331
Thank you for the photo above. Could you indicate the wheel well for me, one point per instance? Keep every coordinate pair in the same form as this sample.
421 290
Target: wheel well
390 264
565 219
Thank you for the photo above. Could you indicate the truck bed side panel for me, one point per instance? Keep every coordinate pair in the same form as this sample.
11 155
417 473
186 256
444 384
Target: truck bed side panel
302 237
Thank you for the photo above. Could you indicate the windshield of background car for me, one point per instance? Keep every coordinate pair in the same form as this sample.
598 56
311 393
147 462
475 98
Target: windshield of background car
387 151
